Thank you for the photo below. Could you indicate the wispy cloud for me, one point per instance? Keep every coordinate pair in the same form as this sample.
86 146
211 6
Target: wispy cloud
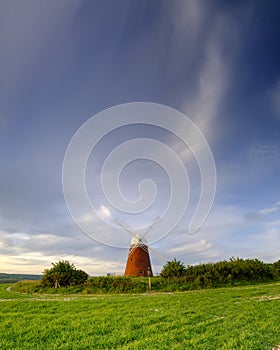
199 246
267 211
263 212
221 45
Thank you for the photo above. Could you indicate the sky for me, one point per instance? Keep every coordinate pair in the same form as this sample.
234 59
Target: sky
63 62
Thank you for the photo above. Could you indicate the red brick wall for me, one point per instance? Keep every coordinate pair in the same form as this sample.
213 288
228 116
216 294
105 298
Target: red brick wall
138 260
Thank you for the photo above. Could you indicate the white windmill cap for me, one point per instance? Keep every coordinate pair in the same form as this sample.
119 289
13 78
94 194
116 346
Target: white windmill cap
137 239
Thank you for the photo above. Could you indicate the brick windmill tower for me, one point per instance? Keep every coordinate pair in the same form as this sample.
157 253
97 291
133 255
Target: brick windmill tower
138 260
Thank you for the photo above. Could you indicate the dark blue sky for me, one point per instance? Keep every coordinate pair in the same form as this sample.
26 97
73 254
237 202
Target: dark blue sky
62 62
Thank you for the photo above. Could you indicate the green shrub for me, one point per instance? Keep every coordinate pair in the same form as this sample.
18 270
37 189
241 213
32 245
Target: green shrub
63 274
119 284
174 268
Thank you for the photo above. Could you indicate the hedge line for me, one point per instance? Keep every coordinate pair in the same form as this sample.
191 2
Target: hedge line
210 275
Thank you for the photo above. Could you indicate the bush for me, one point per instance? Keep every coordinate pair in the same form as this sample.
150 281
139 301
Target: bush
63 274
174 268
119 284
234 271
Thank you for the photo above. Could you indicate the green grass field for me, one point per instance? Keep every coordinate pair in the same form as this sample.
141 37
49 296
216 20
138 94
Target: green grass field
226 318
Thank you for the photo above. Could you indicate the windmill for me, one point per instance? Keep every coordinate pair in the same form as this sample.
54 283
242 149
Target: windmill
138 260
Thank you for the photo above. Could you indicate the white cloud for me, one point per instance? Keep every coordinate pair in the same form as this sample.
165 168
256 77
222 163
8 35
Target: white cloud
87 218
37 262
90 218
32 253
104 211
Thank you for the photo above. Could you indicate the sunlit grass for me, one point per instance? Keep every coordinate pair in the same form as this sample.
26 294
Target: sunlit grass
226 318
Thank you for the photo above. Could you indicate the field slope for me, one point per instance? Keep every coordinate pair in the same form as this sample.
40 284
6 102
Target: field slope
226 318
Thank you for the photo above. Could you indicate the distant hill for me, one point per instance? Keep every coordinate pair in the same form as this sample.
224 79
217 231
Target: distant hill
15 277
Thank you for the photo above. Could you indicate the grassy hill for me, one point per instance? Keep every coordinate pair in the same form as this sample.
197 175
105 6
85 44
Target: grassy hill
12 278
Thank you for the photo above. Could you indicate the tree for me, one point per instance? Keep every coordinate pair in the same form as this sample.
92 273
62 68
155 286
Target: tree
63 274
174 268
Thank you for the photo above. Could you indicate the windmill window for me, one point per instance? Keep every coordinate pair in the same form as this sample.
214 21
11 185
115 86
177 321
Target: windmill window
141 271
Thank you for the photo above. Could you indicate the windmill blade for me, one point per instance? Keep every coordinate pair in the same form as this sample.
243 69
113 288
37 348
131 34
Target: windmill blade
151 226
125 227
162 258
122 259
131 250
